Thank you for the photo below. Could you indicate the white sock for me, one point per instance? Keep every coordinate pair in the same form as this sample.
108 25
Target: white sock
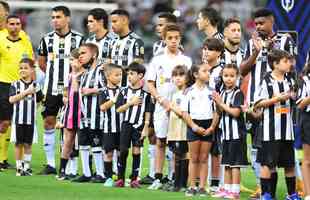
68 167
235 188
27 160
170 164
222 173
18 164
255 165
85 160
114 161
74 165
98 159
103 156
151 154
141 161
307 197
297 167
227 187
49 146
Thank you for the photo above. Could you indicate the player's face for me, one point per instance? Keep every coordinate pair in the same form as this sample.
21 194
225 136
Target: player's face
93 25
203 73
264 24
201 22
179 80
75 64
160 25
85 55
229 77
25 71
59 20
134 77
172 40
115 76
118 22
14 26
284 65
233 33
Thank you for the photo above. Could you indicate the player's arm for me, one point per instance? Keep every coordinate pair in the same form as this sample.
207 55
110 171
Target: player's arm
145 130
42 55
250 59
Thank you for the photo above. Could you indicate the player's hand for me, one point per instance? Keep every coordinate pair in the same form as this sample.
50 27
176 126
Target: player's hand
257 42
135 101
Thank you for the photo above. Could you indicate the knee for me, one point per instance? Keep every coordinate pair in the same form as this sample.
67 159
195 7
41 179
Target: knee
203 158
194 159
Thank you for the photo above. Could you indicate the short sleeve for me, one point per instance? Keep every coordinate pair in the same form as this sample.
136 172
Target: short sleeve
238 100
302 92
121 98
148 103
185 103
103 96
290 46
42 49
261 93
12 91
138 49
151 71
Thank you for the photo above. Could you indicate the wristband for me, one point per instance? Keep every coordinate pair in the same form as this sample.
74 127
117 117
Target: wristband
194 129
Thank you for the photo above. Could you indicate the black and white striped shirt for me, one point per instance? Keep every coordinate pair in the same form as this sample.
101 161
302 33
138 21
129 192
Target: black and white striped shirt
24 111
112 119
229 57
304 90
278 118
56 49
104 45
232 128
215 80
135 114
261 67
92 117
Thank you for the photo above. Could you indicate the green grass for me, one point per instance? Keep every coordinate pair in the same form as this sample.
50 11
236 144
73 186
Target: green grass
48 188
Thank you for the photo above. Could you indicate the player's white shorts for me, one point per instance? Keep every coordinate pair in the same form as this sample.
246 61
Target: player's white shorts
161 121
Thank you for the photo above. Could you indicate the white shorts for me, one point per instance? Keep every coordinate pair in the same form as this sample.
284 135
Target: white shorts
161 122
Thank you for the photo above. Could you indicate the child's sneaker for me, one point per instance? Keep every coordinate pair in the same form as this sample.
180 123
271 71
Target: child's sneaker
266 196
202 192
190 192
156 185
19 172
27 172
213 189
109 183
135 184
119 183
62 176
293 197
221 193
232 195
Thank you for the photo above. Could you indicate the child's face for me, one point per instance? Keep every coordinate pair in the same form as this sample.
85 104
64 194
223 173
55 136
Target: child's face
115 76
172 40
134 77
229 77
179 80
85 55
25 71
284 65
74 63
203 73
210 55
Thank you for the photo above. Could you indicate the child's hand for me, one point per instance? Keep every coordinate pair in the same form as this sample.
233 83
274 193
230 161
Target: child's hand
65 100
217 98
30 90
145 132
209 131
166 104
135 101
284 96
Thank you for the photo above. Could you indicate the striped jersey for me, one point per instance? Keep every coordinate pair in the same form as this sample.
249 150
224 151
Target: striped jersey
215 80
135 114
232 128
277 119
304 90
92 117
24 111
259 69
56 49
112 119
229 57
104 44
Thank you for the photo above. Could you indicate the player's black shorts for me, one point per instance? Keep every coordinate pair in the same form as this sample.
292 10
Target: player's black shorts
24 134
51 105
276 154
178 147
305 127
234 153
111 141
6 109
89 137
191 136
130 135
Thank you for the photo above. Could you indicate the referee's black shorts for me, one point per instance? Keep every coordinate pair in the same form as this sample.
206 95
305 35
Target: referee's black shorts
276 154
6 109
51 105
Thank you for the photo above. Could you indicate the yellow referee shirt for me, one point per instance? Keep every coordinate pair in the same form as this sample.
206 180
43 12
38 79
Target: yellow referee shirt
11 52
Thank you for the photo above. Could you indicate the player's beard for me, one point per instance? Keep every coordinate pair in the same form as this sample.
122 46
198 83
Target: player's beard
233 43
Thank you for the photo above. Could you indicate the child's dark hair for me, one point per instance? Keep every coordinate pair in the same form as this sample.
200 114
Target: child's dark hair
171 27
214 44
231 66
275 55
75 53
28 61
92 47
190 74
179 70
136 67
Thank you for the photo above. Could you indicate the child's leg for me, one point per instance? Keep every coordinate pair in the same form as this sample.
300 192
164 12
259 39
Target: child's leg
97 151
151 153
18 155
265 179
194 148
235 187
228 181
177 170
27 156
203 162
69 138
160 157
273 182
108 156
122 164
290 180
136 158
306 169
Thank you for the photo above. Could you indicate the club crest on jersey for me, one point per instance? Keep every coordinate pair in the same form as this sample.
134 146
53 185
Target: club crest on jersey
178 101
287 5
73 43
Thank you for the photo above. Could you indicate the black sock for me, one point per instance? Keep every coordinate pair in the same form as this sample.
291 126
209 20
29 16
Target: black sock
273 184
63 164
108 169
122 164
177 173
215 182
265 184
91 164
135 166
290 184
158 176
184 173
